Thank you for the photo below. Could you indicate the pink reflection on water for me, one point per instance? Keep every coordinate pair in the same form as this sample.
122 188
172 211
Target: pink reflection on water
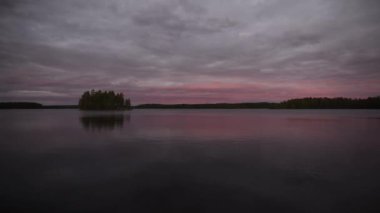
245 125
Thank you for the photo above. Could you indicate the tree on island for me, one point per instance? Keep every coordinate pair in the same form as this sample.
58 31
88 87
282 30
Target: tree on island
127 103
103 100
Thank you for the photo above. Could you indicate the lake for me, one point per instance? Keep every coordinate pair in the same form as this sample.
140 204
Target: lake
190 161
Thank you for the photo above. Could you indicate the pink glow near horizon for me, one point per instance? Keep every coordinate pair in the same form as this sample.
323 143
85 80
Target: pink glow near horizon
214 92
224 91
199 51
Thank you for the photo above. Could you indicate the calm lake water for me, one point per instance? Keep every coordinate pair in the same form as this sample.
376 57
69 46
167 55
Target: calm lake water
190 161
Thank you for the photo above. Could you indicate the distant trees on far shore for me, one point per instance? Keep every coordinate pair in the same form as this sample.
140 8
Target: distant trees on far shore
20 105
300 103
331 103
103 100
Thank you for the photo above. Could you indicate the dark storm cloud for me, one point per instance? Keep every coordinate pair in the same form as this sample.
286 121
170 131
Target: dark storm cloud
186 51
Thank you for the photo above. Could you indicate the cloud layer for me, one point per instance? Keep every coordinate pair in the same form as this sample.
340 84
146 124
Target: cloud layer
182 51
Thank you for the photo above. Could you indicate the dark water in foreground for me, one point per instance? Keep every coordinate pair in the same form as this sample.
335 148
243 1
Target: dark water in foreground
190 161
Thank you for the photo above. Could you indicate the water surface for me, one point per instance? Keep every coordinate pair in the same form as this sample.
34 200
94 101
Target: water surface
190 161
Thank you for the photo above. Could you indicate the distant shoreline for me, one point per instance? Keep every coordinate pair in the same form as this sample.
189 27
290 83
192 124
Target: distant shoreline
301 103
33 105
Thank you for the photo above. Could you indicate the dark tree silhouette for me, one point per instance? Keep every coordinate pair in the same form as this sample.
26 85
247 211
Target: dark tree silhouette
20 105
331 103
103 100
128 103
301 103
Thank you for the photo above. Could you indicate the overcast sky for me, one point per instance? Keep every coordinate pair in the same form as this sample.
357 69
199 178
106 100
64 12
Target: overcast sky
189 51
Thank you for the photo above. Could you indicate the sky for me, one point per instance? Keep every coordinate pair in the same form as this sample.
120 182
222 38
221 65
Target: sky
189 51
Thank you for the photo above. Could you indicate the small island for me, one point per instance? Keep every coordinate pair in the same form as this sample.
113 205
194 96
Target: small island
103 100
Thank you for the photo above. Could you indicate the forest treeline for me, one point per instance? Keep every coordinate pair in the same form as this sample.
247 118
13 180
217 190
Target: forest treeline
20 105
103 100
331 103
33 105
301 103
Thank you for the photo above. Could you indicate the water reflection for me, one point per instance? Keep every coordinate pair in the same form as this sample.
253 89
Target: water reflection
190 161
104 121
